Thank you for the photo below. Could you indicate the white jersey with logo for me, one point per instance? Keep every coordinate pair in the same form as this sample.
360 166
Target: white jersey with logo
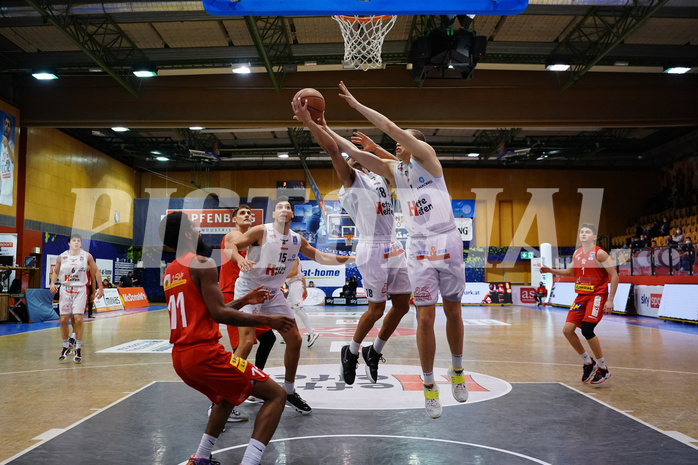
73 270
369 204
426 205
380 258
273 259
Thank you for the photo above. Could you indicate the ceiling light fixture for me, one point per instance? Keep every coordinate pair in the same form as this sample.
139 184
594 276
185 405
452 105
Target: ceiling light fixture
196 128
156 152
282 154
676 69
557 66
120 129
242 68
162 159
44 76
473 155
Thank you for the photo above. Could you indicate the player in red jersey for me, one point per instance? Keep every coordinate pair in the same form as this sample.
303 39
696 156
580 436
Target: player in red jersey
195 304
591 267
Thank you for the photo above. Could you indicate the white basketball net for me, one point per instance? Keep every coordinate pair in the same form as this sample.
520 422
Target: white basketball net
363 39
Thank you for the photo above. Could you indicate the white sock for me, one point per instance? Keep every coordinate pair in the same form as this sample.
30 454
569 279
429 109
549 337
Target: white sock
205 446
289 387
78 344
300 311
73 335
378 345
457 362
585 358
601 362
354 347
429 378
253 453
66 344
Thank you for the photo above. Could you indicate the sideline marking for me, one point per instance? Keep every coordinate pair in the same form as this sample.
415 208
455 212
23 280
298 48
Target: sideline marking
386 436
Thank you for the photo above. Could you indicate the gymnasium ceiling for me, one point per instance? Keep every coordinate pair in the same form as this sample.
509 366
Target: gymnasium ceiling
614 108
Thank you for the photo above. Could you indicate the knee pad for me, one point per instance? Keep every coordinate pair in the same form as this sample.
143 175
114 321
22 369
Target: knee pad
588 330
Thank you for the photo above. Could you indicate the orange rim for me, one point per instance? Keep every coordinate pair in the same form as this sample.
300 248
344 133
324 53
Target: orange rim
363 19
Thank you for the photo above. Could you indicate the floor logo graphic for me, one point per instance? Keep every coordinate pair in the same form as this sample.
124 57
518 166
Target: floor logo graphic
398 387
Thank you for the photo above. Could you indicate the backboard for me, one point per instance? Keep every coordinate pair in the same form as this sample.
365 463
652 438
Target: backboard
362 7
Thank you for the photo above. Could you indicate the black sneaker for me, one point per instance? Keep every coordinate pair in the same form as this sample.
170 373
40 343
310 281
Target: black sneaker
601 375
589 371
64 352
349 364
371 357
78 356
295 401
71 346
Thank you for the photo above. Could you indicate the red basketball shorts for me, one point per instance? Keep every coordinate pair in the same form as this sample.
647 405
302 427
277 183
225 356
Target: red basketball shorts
587 307
217 374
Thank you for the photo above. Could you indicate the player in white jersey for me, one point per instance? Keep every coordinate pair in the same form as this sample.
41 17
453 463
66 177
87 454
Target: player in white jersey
7 162
434 248
295 281
380 257
271 251
71 272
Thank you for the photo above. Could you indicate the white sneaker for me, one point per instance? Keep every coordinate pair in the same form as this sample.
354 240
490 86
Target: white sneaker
431 401
236 416
312 337
458 387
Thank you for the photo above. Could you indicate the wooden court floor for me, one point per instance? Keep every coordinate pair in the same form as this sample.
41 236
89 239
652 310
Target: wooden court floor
654 366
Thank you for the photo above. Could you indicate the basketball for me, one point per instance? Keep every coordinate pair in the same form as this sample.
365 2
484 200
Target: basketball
315 102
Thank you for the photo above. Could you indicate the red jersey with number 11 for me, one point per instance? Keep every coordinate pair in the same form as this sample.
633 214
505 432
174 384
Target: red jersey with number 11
190 321
590 277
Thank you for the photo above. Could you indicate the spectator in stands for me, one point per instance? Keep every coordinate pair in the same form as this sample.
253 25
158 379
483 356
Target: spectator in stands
311 284
665 227
134 279
126 280
653 231
687 255
641 242
109 283
677 238
638 230
541 292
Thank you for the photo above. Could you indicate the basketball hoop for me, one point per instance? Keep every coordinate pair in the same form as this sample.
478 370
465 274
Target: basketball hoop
363 39
347 239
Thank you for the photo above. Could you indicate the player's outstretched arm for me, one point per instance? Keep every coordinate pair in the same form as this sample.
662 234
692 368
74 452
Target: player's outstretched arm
229 238
254 235
204 274
370 161
420 150
569 271
326 141
324 258
367 144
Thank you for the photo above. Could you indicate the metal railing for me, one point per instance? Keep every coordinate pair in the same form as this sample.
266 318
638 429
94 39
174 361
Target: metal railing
667 260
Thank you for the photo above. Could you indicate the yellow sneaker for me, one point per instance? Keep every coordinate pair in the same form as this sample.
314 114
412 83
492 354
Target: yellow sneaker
431 400
458 387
